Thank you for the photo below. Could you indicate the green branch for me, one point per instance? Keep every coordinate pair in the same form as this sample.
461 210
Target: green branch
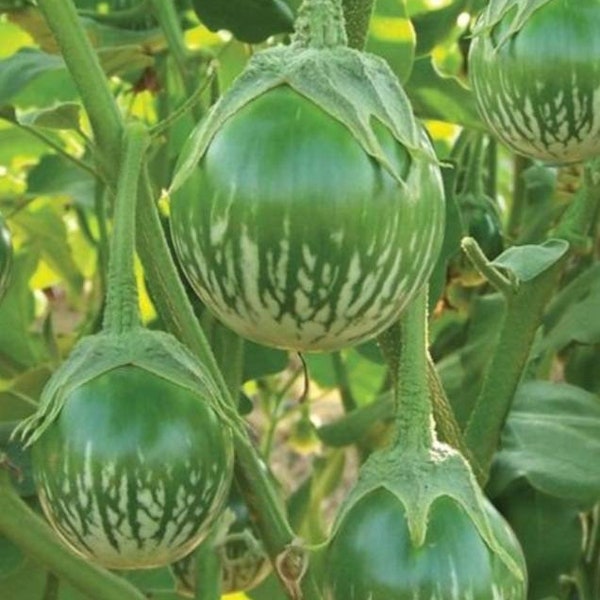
84 66
28 531
357 14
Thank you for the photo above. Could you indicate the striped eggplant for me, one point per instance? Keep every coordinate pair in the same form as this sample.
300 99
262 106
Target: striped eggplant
373 558
295 237
6 256
535 71
416 526
134 469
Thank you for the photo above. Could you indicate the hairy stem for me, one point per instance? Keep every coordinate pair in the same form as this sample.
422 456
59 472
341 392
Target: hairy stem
358 14
122 308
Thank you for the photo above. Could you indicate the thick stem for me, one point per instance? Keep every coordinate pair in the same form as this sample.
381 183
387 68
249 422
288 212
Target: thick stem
320 24
405 348
208 570
341 375
358 14
122 308
84 67
28 531
522 318
517 210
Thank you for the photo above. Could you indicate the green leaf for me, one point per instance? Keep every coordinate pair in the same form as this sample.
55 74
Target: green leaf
19 348
434 26
391 35
18 400
550 532
47 233
552 439
440 97
452 237
11 559
61 116
56 176
260 361
571 315
23 67
462 371
529 261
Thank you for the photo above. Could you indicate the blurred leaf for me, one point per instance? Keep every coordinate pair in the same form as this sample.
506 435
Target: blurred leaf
25 583
552 439
62 116
18 143
56 176
462 371
260 361
11 559
371 351
122 59
47 233
582 368
366 375
434 26
269 589
550 532
452 237
16 401
19 347
357 426
23 67
572 314
529 261
391 35
440 97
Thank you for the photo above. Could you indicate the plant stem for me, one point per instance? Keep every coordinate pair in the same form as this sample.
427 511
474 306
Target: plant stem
320 24
28 531
357 14
208 569
524 310
517 209
166 14
405 347
483 265
341 374
84 66
122 308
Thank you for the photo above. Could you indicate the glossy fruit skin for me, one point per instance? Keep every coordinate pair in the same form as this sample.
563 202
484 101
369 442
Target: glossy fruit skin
6 256
250 21
540 90
371 556
134 469
293 236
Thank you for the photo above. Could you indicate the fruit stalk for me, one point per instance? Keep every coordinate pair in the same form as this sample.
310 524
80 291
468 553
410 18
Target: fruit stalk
406 351
122 308
357 14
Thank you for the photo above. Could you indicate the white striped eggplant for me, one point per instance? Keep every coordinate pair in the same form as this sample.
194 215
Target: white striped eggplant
312 209
131 457
535 71
416 527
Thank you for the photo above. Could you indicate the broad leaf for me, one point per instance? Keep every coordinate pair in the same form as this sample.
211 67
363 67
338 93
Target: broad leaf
440 97
528 262
552 438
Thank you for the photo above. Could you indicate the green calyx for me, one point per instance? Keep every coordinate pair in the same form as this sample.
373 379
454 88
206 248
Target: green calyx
157 352
320 24
418 480
355 88
496 11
